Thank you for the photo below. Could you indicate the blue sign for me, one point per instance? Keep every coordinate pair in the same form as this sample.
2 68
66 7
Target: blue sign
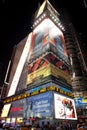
39 106
81 101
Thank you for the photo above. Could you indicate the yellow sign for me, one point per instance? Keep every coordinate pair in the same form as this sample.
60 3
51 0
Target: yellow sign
50 88
84 100
39 74
45 71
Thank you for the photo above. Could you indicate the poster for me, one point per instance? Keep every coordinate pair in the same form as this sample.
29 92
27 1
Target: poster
64 107
39 106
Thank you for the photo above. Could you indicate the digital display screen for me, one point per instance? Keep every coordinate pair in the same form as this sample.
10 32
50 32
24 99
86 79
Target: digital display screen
64 107
38 106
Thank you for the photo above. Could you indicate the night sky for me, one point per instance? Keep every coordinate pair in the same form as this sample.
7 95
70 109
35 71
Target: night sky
16 20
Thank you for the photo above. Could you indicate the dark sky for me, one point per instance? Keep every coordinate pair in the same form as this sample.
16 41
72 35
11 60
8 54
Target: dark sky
16 19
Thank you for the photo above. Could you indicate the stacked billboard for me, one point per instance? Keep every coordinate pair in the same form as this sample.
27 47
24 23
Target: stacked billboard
44 72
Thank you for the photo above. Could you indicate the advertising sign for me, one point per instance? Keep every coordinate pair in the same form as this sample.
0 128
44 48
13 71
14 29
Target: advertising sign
5 110
64 107
40 74
43 61
50 34
81 102
38 106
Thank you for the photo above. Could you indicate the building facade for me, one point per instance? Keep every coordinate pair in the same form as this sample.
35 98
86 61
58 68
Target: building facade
40 72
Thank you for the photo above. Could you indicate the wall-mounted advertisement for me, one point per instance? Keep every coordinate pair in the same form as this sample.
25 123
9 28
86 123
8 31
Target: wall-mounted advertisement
81 102
39 106
47 33
43 61
64 107
5 110
39 75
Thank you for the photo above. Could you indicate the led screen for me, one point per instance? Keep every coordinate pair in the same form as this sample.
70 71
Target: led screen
5 110
64 107
38 106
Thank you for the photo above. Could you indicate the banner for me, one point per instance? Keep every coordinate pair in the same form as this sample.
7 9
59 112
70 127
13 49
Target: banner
39 105
40 74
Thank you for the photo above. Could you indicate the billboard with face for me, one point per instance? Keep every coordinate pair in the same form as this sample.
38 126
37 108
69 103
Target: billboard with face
64 107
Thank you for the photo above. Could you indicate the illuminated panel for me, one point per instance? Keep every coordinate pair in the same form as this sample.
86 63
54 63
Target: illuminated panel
64 107
41 9
39 74
45 71
46 26
19 120
20 67
8 120
5 110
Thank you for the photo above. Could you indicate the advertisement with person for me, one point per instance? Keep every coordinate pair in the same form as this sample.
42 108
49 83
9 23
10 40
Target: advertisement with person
39 106
64 107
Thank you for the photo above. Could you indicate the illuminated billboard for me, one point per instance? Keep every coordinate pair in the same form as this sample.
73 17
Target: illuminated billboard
46 59
47 36
5 110
34 106
64 107
48 70
81 101
8 120
39 106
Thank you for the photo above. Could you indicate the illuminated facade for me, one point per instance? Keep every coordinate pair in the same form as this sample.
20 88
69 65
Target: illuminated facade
40 71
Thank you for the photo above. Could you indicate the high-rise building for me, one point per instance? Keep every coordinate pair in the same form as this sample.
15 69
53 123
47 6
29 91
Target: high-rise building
38 79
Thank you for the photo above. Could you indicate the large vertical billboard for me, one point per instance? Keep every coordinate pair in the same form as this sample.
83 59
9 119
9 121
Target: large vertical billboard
47 36
64 107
